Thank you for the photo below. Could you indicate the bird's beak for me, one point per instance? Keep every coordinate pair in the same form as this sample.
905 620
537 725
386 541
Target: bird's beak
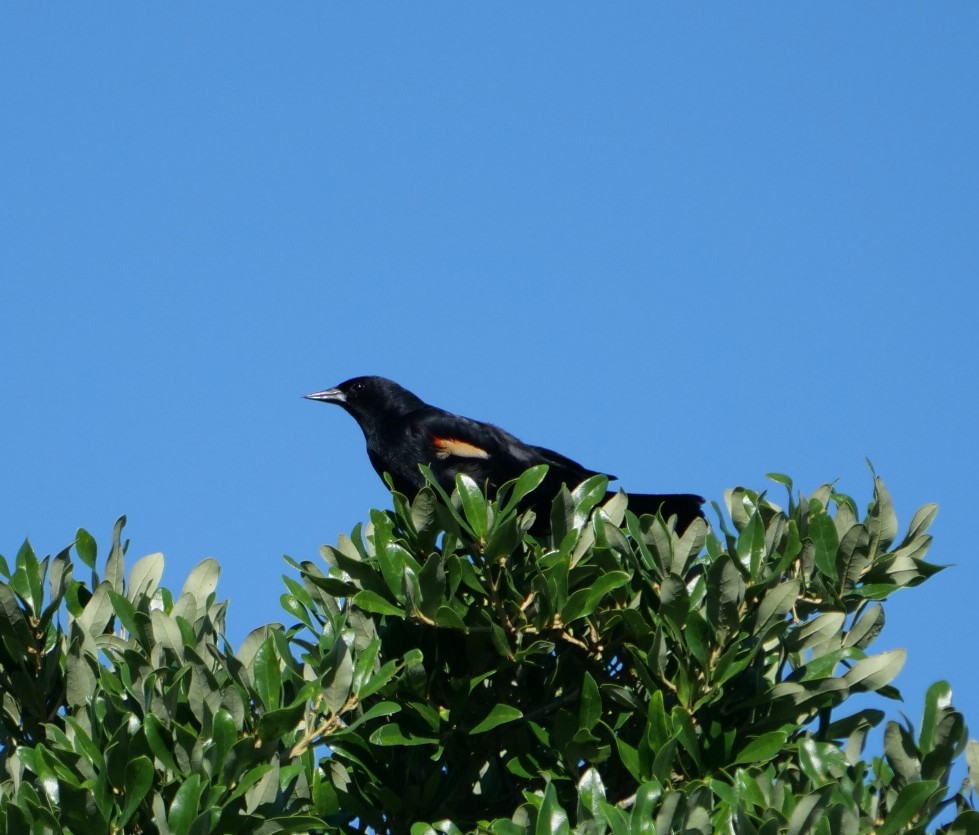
327 396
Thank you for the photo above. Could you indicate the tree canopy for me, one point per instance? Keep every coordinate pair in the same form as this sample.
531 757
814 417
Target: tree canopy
444 670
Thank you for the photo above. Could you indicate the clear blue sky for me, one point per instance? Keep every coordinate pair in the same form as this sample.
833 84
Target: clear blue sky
687 244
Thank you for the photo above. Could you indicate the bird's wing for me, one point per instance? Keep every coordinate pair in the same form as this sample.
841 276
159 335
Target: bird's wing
487 449
450 435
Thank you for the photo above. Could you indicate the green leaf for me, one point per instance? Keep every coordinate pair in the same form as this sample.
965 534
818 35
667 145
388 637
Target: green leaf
674 600
393 735
920 522
725 592
551 818
782 479
866 628
473 505
774 606
145 576
965 823
266 674
499 715
751 544
528 481
853 556
938 697
139 778
202 580
972 760
296 823
224 735
901 753
822 534
763 748
364 666
591 796
587 495
85 547
183 809
28 564
337 683
642 818
875 672
371 601
881 521
13 625
377 681
816 631
424 516
909 804
274 724
377 711
806 812
114 564
97 612
590 705
584 601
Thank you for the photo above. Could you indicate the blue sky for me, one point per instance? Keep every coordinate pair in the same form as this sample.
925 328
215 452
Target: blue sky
686 244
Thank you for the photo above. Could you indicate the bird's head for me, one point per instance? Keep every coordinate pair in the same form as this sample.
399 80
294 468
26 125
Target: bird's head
369 399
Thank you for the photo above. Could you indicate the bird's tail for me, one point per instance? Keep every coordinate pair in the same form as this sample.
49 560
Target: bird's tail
685 506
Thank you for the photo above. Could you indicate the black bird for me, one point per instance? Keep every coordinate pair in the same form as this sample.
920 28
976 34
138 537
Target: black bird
403 431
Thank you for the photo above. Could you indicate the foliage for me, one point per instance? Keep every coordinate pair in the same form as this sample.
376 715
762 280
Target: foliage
450 669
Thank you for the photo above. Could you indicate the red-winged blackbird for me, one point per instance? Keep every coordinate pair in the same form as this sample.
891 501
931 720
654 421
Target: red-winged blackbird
402 432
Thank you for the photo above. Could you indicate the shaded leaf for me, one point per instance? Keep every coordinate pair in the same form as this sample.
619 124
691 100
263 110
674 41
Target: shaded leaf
499 715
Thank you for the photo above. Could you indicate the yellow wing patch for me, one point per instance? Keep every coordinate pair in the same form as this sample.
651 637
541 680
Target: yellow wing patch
444 447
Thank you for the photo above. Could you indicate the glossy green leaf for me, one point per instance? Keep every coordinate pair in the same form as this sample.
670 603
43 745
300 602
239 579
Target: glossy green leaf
160 742
372 602
584 601
183 809
908 806
499 714
591 796
139 779
268 678
378 680
528 481
551 818
473 505
762 748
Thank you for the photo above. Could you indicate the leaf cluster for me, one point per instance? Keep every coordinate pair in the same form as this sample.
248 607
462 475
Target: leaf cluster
124 709
450 668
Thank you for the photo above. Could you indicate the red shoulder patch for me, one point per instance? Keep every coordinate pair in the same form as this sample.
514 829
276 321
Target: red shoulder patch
444 447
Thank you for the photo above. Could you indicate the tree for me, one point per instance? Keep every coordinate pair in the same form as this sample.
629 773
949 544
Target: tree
448 671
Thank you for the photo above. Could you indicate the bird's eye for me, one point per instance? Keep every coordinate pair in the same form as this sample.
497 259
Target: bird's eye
358 386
